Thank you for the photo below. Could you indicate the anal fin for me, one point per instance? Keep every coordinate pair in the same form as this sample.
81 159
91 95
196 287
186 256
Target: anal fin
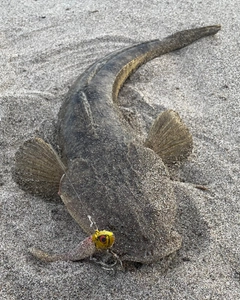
38 168
170 138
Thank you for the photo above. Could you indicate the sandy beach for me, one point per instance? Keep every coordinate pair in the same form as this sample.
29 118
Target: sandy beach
44 47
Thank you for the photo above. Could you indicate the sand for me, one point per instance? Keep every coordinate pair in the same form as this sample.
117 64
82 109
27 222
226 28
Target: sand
44 47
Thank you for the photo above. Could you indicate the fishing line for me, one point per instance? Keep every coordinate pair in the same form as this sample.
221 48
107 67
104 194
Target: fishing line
64 169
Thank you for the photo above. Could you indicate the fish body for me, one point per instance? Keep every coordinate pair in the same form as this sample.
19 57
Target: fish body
122 183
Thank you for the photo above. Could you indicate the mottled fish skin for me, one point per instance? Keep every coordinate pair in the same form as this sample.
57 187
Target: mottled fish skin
91 98
121 184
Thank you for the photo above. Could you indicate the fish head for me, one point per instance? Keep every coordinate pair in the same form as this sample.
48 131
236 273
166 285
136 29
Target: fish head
126 192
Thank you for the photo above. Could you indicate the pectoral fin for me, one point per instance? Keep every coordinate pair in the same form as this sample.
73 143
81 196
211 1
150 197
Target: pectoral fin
38 169
169 137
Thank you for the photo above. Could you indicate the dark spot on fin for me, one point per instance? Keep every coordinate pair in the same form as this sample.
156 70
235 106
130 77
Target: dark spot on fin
170 138
38 169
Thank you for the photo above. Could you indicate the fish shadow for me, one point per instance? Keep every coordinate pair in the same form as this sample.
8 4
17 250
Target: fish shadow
194 230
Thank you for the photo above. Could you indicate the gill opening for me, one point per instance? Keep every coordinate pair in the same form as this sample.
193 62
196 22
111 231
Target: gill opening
91 220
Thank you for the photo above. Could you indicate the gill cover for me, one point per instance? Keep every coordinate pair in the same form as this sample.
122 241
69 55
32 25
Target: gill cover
103 239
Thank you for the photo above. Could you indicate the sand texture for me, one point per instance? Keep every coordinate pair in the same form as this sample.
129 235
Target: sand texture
43 48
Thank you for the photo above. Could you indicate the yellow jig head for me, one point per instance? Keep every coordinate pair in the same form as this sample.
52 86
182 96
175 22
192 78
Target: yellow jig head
103 239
